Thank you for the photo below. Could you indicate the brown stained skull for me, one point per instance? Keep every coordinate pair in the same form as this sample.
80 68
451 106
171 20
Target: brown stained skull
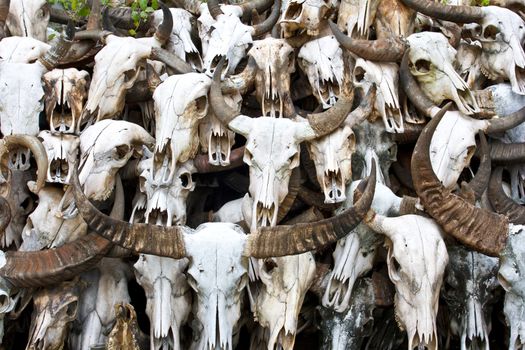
66 91
62 153
357 26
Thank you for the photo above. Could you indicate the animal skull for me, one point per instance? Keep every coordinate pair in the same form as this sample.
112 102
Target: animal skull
62 152
301 15
29 18
22 49
357 26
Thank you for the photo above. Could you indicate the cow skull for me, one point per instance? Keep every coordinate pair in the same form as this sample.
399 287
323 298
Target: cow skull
304 15
62 152
29 18
431 61
66 91
322 62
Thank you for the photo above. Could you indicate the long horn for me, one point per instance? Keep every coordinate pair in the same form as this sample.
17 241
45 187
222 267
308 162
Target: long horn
295 239
35 146
477 228
410 134
458 14
481 180
164 30
260 6
268 23
139 238
501 203
214 8
57 52
507 153
502 124
222 111
380 50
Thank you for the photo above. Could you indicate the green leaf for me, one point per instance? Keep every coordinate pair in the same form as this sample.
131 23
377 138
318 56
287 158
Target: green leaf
84 11
51 37
149 9
155 4
143 4
132 32
144 15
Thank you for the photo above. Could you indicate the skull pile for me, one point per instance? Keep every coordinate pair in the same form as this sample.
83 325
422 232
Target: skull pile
309 174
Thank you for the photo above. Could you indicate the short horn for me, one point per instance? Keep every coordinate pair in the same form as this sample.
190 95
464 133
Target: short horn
498 125
222 111
481 180
268 23
477 228
57 52
164 29
300 238
501 203
214 8
35 146
139 238
458 14
379 50
507 153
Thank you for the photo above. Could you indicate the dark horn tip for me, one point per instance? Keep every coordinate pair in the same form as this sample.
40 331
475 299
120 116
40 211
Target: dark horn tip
70 30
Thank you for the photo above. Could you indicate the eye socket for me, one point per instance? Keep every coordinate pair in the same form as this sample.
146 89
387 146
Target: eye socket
121 151
490 32
394 269
359 74
200 104
186 180
293 11
4 300
423 66
71 310
269 265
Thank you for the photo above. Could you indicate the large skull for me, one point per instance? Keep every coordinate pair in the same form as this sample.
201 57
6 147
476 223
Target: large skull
29 18
417 258
168 298
385 77
469 287
177 119
66 89
300 15
322 62
105 147
55 308
431 61
62 152
18 49
275 62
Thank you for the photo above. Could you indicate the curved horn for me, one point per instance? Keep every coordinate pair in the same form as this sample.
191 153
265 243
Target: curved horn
507 153
503 204
201 162
241 82
58 51
410 134
459 14
481 180
214 8
36 147
139 238
295 239
164 30
325 122
222 111
268 23
178 65
502 124
477 228
260 6
380 50
364 109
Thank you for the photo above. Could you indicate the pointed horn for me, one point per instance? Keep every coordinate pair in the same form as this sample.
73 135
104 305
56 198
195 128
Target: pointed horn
458 14
295 239
379 50
507 153
222 111
241 82
57 52
94 16
214 8
502 124
171 60
503 204
139 238
481 180
35 146
477 228
201 162
268 23
325 122
163 32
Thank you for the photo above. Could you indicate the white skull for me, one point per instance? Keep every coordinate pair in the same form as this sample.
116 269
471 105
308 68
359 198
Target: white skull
332 156
66 89
168 297
275 62
29 18
322 62
300 15
105 147
385 77
431 61
21 49
62 152
45 228
417 258
357 26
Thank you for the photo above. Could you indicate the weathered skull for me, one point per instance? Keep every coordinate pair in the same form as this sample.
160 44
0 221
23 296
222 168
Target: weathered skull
177 119
66 89
55 308
332 156
279 299
431 61
510 276
105 147
29 18
469 286
385 77
180 42
357 26
62 152
469 63
218 274
417 258
45 228
21 49
168 297
322 62
275 62
300 15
